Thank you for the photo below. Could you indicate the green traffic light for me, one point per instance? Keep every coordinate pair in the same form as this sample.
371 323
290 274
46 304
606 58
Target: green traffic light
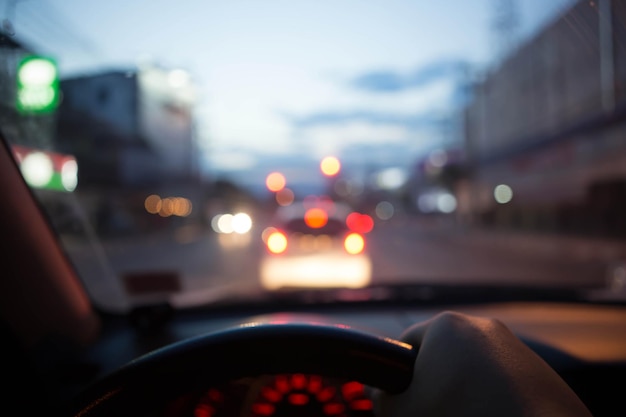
37 85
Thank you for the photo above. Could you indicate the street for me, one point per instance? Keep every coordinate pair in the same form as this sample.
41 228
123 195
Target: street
209 265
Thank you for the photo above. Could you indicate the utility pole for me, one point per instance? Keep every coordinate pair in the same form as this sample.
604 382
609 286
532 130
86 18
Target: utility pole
505 24
8 23
607 55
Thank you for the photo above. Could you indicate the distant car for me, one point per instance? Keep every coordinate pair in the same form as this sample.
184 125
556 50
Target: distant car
316 244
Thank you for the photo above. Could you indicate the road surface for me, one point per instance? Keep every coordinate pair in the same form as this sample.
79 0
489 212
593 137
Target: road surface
209 265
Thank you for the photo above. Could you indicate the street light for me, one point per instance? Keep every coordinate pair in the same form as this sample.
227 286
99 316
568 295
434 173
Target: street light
275 181
330 166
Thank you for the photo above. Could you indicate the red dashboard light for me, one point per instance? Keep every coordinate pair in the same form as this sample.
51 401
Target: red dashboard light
315 384
294 394
263 409
351 390
332 409
326 394
298 399
204 410
271 394
364 404
282 384
298 381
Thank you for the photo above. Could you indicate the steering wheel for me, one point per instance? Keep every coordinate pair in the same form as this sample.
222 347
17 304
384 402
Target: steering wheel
146 383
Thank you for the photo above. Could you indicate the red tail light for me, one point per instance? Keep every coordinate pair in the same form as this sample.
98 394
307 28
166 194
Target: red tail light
360 223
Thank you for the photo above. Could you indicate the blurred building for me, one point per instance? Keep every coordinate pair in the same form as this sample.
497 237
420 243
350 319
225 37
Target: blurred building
427 163
130 128
433 181
548 127
133 135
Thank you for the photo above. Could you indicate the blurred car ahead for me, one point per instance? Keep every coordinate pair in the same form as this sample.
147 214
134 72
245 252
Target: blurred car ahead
317 244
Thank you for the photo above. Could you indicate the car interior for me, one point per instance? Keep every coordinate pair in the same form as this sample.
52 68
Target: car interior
63 354
239 209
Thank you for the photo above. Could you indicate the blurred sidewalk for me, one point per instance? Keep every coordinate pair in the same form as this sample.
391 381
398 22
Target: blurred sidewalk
180 235
538 245
545 245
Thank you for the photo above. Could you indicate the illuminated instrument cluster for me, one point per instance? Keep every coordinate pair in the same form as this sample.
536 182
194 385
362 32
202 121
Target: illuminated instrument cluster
279 396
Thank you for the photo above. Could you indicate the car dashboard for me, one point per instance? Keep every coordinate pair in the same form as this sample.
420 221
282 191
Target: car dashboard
277 395
584 342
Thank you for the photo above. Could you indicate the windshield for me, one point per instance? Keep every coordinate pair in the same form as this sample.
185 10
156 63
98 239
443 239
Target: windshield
193 151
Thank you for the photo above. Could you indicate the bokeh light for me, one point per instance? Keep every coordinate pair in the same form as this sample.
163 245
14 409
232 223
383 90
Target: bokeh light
354 243
152 204
275 181
330 166
166 207
446 203
361 223
285 197
182 206
267 232
315 218
37 169
225 223
241 223
503 193
69 175
384 210
391 178
277 242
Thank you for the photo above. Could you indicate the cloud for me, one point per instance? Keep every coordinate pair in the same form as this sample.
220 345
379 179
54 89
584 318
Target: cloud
420 112
333 139
352 121
392 82
389 154
232 160
334 132
359 146
334 118
300 170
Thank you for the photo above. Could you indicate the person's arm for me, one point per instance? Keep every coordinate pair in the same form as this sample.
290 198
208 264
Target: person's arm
471 366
